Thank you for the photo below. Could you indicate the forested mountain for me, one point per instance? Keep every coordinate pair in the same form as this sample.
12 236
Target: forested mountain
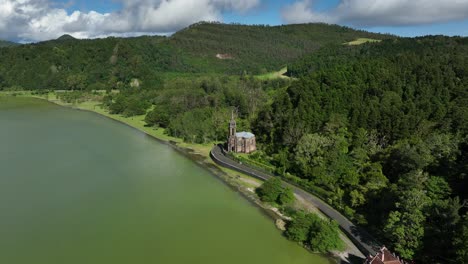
66 37
78 64
202 48
383 130
4 43
259 48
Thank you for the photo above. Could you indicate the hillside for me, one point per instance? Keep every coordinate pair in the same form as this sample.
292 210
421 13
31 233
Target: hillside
103 63
259 48
383 129
200 48
4 43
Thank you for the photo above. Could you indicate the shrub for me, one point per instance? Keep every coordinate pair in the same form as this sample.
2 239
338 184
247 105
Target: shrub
272 191
321 235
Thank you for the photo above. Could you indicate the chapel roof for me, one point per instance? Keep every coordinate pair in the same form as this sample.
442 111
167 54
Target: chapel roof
244 135
384 256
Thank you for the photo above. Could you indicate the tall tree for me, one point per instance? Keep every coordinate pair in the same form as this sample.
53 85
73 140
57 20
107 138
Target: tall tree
460 241
405 226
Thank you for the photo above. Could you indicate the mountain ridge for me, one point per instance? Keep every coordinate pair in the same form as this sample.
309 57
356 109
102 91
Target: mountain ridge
6 43
66 37
196 49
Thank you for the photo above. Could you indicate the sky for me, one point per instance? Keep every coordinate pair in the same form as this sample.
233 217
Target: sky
39 20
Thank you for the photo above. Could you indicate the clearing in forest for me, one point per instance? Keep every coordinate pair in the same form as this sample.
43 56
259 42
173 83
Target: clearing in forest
274 75
360 41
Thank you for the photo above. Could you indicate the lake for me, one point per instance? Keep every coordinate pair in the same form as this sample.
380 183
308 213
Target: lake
76 187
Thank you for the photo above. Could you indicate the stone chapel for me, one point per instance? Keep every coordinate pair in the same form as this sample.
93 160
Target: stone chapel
240 142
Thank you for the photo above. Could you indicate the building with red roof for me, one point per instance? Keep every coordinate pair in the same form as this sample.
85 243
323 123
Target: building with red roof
384 256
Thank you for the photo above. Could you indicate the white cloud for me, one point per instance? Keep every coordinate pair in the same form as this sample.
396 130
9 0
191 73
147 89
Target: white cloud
369 13
36 20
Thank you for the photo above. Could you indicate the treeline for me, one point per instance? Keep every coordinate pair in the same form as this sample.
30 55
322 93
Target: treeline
4 43
196 109
382 130
69 64
145 62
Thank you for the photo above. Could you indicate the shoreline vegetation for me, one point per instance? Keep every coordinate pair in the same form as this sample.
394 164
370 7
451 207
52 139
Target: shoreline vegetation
200 154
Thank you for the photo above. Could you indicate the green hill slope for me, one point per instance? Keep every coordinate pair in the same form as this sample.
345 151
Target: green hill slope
382 122
102 62
66 37
201 48
258 49
4 43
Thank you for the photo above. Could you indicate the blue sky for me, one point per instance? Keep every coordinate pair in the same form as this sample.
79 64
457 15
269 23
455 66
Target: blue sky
270 14
101 6
37 20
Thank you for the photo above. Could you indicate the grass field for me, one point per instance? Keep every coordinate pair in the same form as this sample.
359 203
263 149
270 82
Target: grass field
361 41
274 75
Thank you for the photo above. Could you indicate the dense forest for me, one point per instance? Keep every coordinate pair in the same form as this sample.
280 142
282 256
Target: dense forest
382 129
261 48
67 63
379 130
196 109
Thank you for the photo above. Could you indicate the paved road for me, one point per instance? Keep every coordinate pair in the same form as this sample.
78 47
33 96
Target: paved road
360 237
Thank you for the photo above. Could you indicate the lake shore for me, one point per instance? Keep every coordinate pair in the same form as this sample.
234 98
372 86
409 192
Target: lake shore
241 183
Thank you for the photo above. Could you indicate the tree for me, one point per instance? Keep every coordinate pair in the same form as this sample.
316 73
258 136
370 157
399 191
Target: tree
76 82
373 177
357 198
437 188
159 116
321 235
405 226
270 190
281 159
441 228
460 241
325 236
97 86
286 196
3 83
195 126
407 156
310 152
135 106
119 105
299 228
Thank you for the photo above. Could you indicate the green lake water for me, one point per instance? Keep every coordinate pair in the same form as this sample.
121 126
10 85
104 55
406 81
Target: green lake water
77 188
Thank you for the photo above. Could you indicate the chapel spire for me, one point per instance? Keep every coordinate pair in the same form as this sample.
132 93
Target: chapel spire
232 125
